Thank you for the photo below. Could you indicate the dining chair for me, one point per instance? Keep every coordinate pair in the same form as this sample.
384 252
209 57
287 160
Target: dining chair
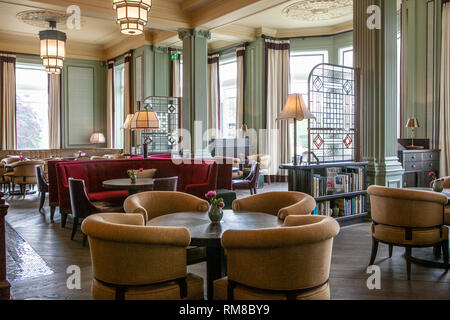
153 204
165 184
131 261
82 207
287 263
281 204
251 181
409 219
42 185
24 174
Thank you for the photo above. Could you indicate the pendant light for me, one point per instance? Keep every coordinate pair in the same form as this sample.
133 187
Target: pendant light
53 49
132 15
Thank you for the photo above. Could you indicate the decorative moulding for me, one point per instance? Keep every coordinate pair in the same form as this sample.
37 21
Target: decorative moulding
319 10
194 33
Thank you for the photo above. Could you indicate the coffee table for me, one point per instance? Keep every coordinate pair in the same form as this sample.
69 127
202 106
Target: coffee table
125 184
209 235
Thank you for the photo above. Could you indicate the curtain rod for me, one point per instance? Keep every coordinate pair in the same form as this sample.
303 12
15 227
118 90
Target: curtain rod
231 49
306 37
22 54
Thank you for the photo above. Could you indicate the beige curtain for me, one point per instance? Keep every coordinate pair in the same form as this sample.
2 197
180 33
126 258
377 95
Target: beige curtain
214 94
8 99
444 135
110 106
277 89
127 106
176 74
240 101
54 112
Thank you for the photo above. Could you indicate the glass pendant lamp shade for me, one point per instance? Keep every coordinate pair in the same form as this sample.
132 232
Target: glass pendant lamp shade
53 50
132 15
97 137
145 120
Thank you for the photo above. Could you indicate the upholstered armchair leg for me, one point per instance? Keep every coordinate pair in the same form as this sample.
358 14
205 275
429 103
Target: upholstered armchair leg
374 251
41 204
437 251
24 190
254 190
63 220
391 249
408 262
74 228
52 212
445 253
251 191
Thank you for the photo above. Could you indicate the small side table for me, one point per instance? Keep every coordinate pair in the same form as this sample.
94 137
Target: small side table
125 184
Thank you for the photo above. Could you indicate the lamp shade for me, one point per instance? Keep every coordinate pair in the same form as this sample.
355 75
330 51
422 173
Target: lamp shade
127 124
97 137
53 50
412 123
145 120
132 15
295 108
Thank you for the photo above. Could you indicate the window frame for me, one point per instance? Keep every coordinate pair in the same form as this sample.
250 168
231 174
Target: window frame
223 62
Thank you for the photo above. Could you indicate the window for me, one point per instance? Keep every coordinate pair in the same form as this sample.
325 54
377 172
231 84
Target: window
119 100
346 57
32 107
399 77
228 99
181 75
302 64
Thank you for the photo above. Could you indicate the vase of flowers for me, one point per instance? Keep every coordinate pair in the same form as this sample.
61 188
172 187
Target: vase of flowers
133 175
215 211
438 184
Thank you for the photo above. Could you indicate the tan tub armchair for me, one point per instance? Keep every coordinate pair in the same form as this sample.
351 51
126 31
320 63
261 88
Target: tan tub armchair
409 219
292 262
153 204
24 173
281 204
131 261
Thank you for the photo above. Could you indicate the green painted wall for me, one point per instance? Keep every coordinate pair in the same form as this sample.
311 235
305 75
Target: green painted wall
74 133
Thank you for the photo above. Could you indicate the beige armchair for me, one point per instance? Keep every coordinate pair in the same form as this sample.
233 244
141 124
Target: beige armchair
24 173
409 219
131 261
292 262
153 204
281 204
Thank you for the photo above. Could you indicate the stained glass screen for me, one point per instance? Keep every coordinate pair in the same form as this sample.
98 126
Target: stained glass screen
333 136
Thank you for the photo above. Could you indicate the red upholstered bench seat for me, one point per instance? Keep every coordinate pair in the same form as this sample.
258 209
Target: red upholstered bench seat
195 178
115 196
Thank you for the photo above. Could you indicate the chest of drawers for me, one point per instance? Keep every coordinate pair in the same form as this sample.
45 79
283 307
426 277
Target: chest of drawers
418 164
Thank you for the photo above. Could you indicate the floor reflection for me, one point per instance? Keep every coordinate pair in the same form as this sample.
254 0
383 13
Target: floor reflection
21 260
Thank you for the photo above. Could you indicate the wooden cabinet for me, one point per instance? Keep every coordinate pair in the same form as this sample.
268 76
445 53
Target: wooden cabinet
418 164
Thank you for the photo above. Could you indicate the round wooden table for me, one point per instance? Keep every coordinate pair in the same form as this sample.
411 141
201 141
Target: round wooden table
432 260
207 234
125 184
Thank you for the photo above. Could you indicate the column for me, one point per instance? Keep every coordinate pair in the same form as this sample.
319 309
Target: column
195 87
375 55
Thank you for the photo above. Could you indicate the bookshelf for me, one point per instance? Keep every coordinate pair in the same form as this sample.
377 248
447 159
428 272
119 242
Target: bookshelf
342 185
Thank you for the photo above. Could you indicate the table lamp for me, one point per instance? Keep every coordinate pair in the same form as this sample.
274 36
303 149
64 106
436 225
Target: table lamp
295 110
413 124
97 137
145 120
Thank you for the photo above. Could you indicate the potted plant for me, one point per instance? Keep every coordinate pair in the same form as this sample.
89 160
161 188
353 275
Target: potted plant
133 174
215 212
438 184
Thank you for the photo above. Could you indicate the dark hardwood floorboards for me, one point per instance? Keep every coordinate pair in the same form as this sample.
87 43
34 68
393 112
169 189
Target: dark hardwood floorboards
56 252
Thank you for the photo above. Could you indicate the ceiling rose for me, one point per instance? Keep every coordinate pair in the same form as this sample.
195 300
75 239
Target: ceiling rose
318 10
41 18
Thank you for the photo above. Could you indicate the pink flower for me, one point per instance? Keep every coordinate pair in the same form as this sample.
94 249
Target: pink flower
222 204
21 158
141 169
431 174
211 194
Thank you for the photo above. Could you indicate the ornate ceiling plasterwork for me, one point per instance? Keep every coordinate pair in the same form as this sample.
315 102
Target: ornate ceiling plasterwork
319 10
41 18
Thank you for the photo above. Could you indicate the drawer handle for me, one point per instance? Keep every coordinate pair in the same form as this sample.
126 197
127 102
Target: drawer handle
413 165
413 157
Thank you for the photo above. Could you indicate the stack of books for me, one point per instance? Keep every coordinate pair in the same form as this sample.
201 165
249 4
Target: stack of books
350 206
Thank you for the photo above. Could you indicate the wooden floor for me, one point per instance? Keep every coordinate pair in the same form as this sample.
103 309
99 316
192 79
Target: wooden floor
39 253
